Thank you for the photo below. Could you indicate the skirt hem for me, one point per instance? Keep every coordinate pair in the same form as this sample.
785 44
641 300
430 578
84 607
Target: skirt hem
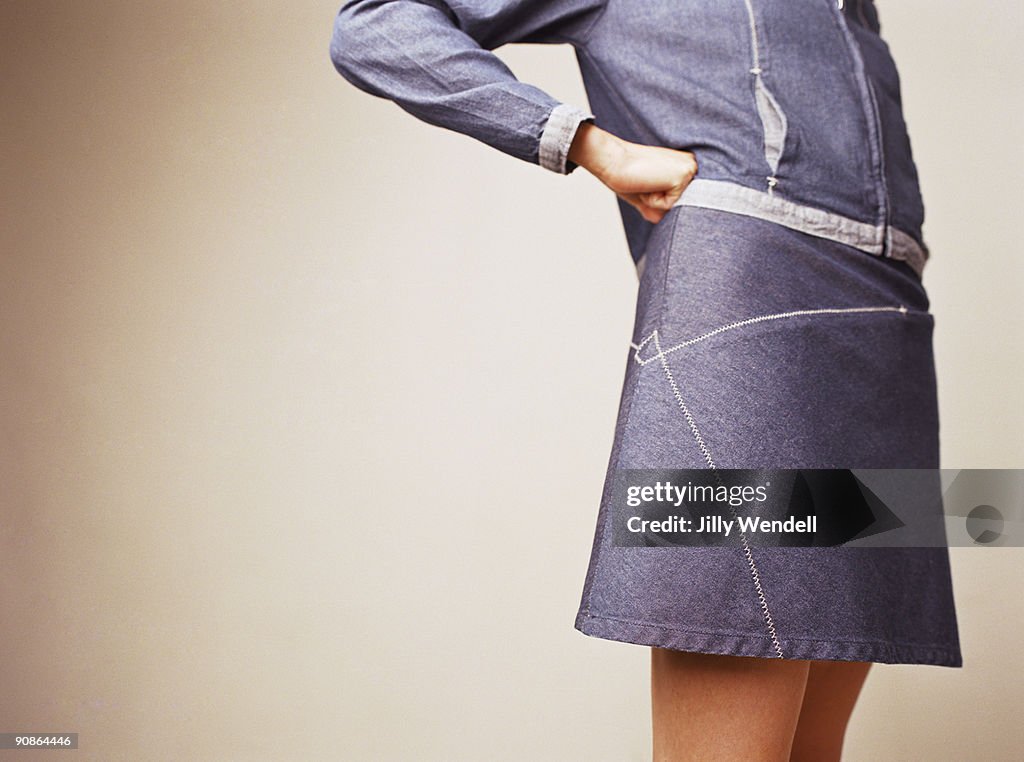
664 636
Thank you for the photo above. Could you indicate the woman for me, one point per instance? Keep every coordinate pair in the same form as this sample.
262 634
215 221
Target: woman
770 201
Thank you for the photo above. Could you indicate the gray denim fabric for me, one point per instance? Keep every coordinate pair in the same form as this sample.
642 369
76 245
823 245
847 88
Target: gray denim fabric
757 346
781 320
791 107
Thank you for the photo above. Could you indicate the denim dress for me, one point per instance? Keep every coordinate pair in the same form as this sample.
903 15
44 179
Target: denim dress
781 318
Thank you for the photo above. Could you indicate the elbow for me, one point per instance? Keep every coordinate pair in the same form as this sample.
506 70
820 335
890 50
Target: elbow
349 47
342 39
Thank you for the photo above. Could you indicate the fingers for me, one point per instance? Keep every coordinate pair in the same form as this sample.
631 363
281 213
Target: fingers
648 212
653 178
658 200
652 206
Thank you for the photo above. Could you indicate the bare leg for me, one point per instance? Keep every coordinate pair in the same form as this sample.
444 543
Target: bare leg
709 707
832 691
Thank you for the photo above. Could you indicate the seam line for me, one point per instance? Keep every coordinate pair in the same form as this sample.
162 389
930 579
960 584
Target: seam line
751 321
748 555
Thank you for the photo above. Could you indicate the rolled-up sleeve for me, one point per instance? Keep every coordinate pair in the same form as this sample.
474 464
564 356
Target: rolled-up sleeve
434 59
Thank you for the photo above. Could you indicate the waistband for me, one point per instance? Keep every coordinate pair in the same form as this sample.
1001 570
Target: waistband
879 240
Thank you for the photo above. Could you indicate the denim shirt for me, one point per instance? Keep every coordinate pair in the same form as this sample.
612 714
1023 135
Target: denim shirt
791 107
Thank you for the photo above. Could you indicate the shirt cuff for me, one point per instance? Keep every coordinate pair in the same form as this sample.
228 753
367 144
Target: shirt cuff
557 137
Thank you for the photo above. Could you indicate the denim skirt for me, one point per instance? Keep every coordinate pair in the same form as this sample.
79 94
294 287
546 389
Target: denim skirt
759 346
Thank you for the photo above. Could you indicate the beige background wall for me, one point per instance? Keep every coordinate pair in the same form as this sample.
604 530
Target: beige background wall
301 448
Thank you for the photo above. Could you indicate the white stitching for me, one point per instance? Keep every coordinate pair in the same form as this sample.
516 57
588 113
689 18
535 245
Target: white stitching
682 405
773 118
750 321
763 601
753 39
706 452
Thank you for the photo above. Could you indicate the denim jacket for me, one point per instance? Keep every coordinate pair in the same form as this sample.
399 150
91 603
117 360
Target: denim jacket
791 107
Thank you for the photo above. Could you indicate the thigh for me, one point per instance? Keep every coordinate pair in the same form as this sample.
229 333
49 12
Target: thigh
714 707
832 691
